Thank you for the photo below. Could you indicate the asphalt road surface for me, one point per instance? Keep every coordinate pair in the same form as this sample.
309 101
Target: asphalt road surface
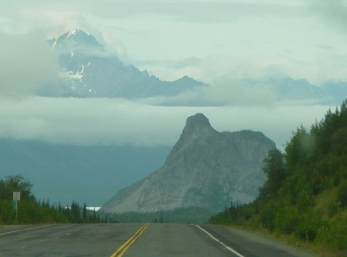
130 240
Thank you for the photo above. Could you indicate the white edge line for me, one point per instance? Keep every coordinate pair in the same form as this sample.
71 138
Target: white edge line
16 231
227 247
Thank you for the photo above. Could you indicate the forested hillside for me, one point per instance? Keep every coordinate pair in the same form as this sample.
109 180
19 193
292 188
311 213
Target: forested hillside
305 195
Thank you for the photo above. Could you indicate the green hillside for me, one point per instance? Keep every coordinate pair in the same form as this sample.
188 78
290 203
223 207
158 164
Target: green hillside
305 195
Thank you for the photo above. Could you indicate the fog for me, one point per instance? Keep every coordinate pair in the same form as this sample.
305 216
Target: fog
119 121
26 62
258 39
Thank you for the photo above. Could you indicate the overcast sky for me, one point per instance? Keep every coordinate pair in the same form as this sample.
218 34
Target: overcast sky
211 41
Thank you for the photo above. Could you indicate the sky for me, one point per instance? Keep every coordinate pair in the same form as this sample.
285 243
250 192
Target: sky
217 42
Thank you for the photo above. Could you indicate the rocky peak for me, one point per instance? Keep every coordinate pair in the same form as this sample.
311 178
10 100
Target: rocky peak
196 125
197 128
198 120
205 168
75 39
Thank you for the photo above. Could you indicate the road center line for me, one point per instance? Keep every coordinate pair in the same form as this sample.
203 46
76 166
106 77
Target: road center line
124 247
16 231
220 242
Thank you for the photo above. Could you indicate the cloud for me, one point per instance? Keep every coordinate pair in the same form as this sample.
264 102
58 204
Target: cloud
333 11
26 62
195 11
202 11
86 121
235 93
52 17
328 65
223 91
207 39
117 121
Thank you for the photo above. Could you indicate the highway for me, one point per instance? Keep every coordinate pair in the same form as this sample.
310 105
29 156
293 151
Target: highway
130 240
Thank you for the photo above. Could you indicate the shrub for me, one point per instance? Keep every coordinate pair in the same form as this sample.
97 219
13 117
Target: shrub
290 225
333 235
308 227
342 194
332 208
267 217
306 231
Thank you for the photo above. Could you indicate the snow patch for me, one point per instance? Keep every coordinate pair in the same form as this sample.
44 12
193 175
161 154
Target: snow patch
75 76
93 208
55 42
75 32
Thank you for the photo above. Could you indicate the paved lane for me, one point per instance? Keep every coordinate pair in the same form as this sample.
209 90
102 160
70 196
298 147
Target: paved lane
169 240
154 240
65 240
183 240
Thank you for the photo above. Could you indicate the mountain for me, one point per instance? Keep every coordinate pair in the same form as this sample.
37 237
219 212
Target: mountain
297 91
205 168
301 89
88 70
337 90
75 39
88 174
305 194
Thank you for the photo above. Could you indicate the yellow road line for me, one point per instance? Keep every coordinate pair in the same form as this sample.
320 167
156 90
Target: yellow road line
124 247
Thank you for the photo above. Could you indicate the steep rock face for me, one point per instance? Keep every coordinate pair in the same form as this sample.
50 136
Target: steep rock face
205 168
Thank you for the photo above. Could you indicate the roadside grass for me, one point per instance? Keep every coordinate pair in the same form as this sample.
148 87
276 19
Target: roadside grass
330 236
290 240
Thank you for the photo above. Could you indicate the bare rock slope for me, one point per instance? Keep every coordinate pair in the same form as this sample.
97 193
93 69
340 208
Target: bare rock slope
205 168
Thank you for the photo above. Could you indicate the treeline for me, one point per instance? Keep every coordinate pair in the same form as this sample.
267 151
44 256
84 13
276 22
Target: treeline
78 214
33 211
178 215
305 194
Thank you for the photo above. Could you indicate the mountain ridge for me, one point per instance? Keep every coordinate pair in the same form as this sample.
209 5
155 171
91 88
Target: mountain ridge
88 70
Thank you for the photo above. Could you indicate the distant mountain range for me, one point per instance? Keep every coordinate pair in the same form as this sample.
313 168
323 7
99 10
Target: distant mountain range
88 70
205 168
300 91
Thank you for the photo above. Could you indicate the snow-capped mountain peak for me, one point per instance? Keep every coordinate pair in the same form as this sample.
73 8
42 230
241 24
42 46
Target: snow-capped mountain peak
87 69
76 38
76 32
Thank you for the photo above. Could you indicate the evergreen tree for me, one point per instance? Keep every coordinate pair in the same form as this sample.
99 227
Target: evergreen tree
85 216
306 189
276 173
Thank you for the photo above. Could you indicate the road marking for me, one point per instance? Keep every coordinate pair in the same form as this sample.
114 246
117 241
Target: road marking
124 247
220 242
16 231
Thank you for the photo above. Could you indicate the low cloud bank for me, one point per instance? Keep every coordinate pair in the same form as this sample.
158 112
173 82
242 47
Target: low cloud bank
118 121
334 12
